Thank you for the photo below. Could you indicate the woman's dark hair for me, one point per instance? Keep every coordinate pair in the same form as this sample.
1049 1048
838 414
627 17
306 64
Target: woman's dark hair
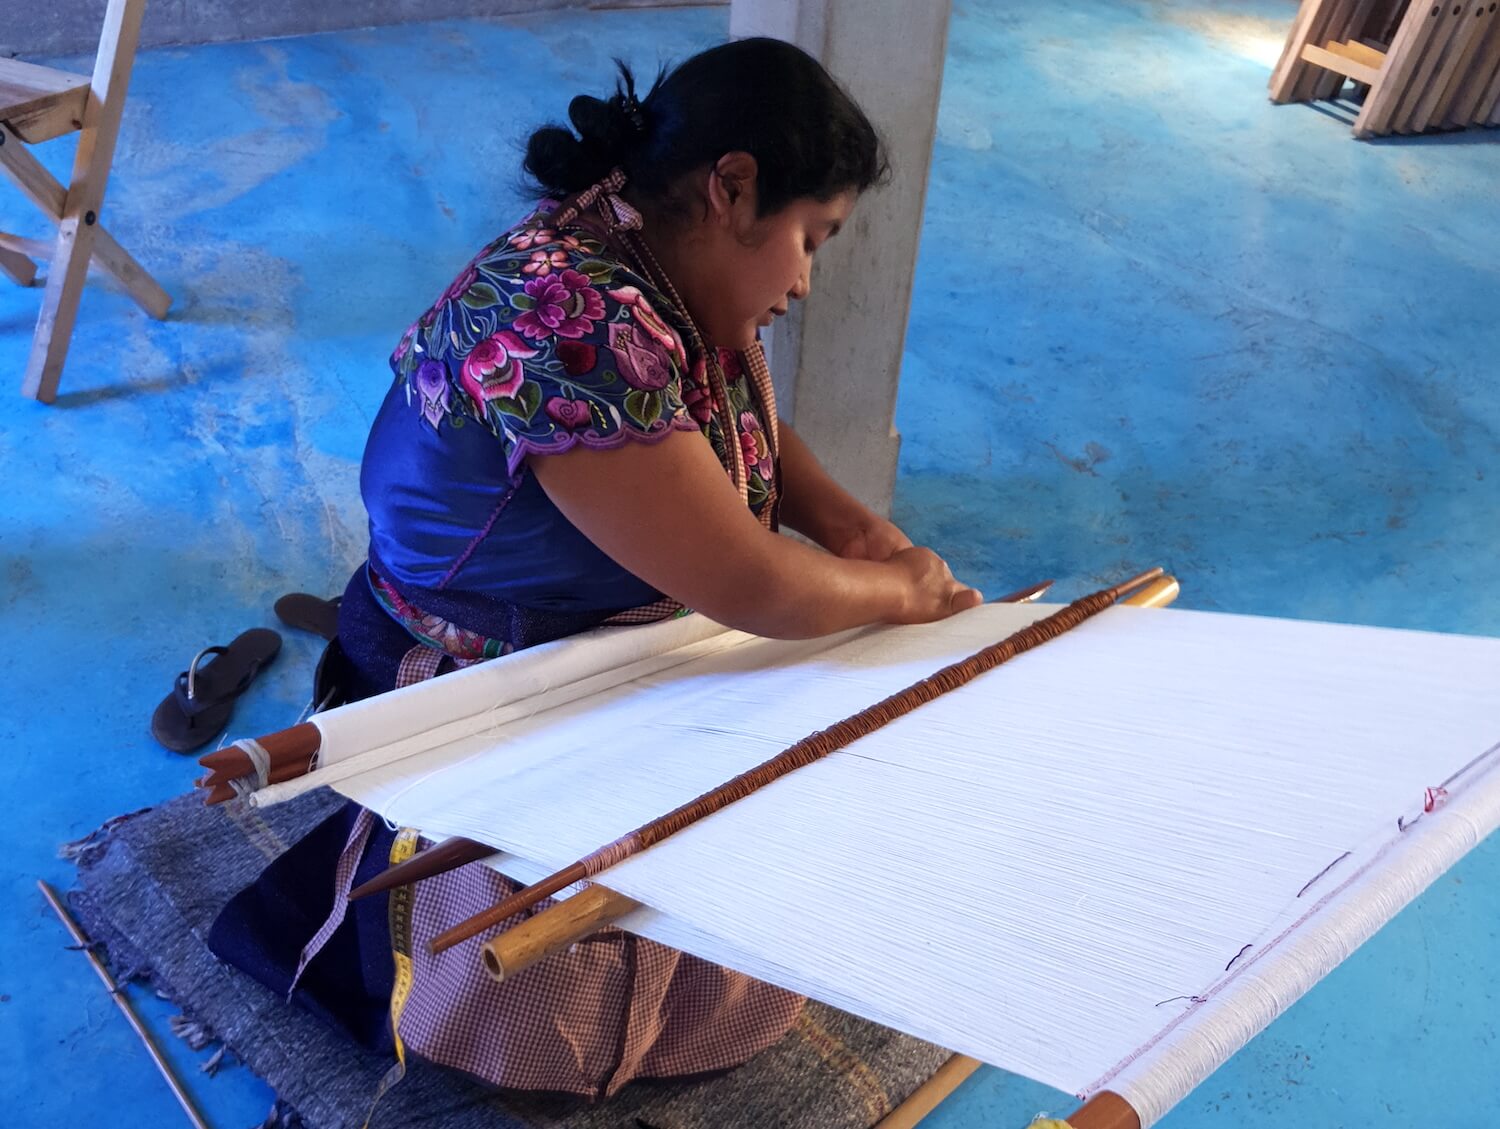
760 96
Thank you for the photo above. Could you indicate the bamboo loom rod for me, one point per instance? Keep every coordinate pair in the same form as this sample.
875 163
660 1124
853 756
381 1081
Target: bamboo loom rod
555 929
809 748
562 925
458 851
122 1001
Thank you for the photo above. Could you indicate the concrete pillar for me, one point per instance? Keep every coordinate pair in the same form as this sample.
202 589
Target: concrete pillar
837 359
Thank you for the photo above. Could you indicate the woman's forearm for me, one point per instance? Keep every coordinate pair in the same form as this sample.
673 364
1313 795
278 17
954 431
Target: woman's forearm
813 503
667 513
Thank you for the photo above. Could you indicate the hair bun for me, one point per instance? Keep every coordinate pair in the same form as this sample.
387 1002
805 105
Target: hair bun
608 132
764 97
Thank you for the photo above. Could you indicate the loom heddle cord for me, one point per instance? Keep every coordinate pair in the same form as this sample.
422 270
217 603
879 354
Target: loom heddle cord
812 748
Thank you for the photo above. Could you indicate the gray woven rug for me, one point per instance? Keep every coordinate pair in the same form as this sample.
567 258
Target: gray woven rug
152 883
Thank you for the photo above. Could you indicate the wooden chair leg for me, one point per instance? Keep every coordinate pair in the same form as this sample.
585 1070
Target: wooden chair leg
123 268
78 222
54 326
17 267
44 190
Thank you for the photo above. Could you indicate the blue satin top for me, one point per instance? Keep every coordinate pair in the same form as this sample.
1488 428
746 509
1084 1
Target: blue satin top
546 341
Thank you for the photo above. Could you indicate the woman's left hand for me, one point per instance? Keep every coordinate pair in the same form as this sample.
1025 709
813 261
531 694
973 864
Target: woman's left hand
875 540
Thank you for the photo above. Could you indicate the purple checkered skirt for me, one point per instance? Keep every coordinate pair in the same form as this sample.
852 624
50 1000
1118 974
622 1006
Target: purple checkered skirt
614 1008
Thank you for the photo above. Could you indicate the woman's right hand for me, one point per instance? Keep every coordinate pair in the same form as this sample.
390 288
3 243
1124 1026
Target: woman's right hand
931 592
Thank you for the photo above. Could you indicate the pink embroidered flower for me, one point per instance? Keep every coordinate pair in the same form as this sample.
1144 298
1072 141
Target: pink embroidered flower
531 237
493 368
639 357
460 285
432 386
565 305
651 321
753 440
571 414
545 262
729 361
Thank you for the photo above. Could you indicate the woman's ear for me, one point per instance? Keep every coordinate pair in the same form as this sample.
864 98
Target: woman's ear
731 187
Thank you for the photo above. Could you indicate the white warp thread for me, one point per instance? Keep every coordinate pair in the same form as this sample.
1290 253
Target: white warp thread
1311 947
1022 870
377 733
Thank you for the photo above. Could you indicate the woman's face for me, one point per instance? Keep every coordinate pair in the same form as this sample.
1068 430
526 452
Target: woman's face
738 272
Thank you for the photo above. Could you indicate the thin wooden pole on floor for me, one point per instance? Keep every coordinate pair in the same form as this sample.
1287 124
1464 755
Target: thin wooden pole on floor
118 995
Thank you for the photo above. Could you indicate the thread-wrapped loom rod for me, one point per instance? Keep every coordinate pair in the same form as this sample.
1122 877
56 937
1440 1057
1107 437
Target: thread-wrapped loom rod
811 748
450 854
290 751
564 924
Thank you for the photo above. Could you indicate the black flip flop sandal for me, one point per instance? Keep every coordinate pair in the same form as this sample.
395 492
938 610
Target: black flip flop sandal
198 708
309 613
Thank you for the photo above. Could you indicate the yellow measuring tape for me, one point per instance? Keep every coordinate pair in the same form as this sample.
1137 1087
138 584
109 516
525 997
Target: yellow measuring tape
402 849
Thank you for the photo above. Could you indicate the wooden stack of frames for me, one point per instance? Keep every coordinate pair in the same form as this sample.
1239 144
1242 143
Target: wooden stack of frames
1422 65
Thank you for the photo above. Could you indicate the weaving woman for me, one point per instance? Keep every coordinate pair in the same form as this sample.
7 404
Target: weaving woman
582 432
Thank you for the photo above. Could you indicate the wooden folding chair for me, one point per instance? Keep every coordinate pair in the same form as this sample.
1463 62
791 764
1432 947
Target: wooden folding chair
38 104
1425 64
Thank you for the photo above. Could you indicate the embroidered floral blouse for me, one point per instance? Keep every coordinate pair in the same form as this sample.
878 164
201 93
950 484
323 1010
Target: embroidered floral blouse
545 341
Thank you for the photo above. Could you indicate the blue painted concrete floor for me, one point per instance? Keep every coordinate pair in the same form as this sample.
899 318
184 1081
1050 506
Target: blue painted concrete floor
1156 320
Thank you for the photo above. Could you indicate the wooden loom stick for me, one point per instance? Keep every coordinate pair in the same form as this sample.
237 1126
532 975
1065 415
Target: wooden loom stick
458 851
123 1002
811 748
562 925
448 855
1026 595
930 1094
1106 1110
